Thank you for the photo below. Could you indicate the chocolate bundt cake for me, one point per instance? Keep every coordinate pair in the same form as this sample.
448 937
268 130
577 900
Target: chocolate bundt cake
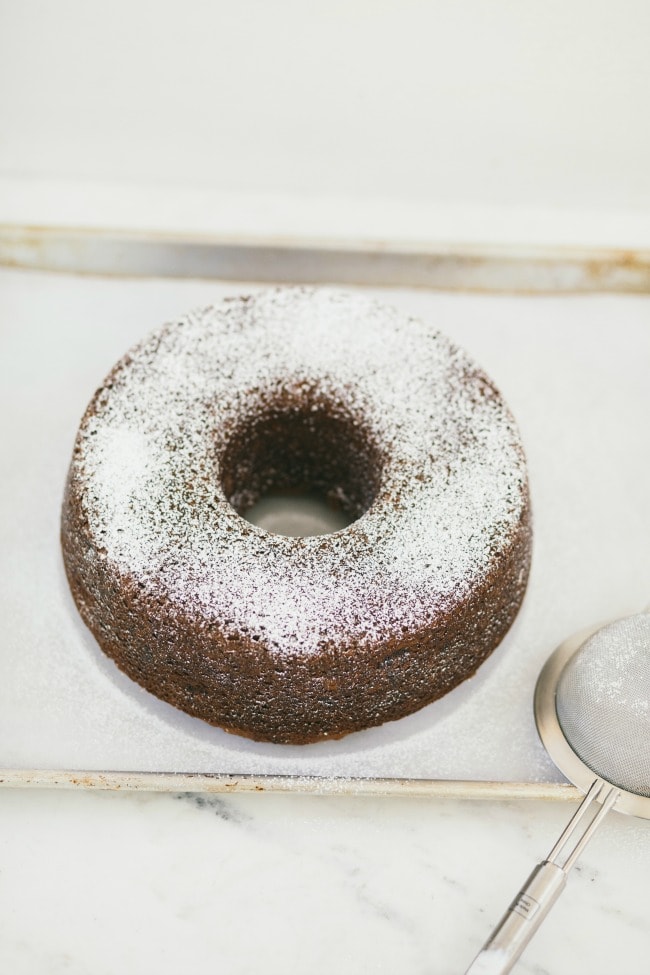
297 639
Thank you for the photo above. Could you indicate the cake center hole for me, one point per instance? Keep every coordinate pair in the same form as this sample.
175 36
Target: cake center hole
297 514
304 471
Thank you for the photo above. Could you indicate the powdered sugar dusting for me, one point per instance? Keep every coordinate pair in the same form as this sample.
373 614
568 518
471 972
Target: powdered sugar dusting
452 491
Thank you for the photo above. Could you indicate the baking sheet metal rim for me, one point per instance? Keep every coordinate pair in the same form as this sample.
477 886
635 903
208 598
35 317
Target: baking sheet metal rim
452 266
332 786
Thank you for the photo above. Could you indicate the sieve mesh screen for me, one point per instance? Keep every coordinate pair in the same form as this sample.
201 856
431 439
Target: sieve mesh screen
603 703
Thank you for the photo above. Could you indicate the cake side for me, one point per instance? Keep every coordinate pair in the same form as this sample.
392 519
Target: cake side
235 682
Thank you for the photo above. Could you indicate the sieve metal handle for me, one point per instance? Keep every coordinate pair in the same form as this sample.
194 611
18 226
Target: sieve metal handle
545 884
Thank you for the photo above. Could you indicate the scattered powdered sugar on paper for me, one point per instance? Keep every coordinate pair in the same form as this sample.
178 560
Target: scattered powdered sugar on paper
453 485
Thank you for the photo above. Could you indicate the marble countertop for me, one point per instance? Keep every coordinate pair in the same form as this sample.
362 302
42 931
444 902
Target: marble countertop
106 882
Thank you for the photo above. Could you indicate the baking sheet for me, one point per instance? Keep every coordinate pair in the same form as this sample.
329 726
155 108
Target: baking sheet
575 372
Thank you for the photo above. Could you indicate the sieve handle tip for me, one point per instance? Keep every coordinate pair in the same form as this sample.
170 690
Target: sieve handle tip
520 921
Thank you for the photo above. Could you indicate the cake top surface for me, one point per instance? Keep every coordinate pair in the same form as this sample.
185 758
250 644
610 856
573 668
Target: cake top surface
452 490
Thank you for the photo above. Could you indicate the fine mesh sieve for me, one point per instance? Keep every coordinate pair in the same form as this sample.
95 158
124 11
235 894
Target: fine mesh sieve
603 703
592 708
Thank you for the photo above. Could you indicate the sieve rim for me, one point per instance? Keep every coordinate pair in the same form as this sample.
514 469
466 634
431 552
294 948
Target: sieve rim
553 738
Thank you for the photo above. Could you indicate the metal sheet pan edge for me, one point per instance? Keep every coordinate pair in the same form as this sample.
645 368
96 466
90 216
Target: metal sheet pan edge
449 267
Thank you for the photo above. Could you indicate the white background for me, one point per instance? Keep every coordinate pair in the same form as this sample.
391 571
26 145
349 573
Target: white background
459 120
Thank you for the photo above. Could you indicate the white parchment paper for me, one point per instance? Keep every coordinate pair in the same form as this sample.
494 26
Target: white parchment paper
575 371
